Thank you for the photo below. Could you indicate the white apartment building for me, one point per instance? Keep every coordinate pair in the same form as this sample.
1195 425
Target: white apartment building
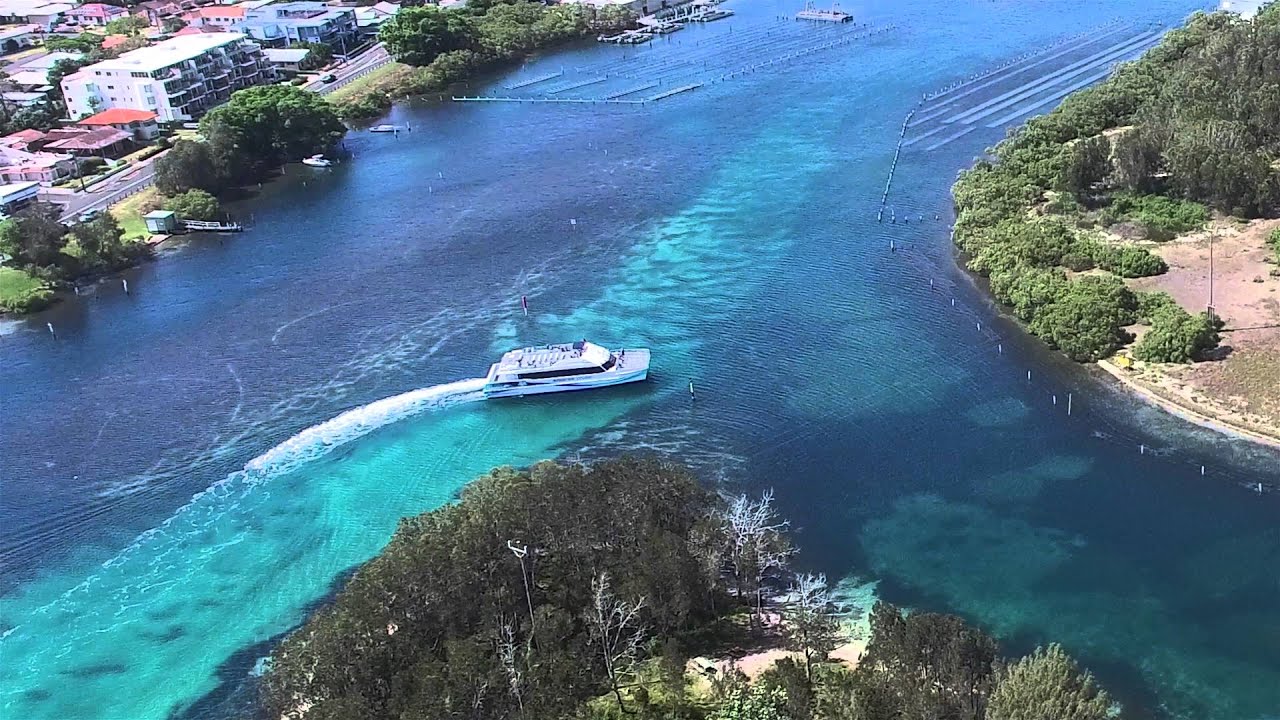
178 79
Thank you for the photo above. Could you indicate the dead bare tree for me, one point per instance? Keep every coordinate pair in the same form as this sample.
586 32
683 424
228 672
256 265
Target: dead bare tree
758 546
811 627
617 631
507 655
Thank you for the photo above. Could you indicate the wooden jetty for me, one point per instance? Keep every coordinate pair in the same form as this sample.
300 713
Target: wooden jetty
578 101
673 91
203 226
630 91
629 37
534 81
575 85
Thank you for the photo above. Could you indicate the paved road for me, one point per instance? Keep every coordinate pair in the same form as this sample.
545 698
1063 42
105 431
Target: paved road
104 194
372 59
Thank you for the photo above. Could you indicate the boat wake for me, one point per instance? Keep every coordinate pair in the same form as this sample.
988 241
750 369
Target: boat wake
319 440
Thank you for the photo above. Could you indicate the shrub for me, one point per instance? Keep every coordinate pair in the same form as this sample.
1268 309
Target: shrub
1149 303
91 165
1130 261
1163 217
1086 321
1028 289
1177 336
194 205
1273 241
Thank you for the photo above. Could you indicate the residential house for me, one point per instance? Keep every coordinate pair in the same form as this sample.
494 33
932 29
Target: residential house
155 11
178 79
95 14
17 195
29 80
13 39
105 142
23 99
369 19
18 165
22 139
286 60
222 18
44 13
140 124
288 23
28 83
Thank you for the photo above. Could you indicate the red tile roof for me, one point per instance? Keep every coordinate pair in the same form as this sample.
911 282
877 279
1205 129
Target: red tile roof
219 12
23 136
92 140
118 116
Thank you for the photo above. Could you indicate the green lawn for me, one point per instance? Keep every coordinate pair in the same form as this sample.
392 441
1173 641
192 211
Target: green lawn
129 212
382 79
19 292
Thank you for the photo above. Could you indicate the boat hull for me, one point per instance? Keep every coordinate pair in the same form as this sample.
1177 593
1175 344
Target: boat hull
569 384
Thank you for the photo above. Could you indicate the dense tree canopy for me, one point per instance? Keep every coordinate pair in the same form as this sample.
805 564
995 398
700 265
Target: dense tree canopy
318 55
418 35
520 600
194 205
40 245
265 126
416 632
34 238
85 42
188 165
1048 684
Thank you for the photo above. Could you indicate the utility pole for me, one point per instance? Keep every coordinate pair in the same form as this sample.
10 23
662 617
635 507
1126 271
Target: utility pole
520 552
1212 235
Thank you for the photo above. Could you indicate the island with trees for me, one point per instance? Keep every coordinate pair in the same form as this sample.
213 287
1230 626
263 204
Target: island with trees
626 589
437 47
1097 224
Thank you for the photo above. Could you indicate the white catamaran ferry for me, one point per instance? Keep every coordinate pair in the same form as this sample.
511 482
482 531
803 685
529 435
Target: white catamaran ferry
559 368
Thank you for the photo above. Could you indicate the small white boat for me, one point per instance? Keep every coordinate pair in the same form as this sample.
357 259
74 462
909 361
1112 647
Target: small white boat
385 128
560 368
317 161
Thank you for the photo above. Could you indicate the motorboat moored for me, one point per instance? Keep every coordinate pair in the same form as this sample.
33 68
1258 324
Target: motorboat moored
384 128
317 161
559 368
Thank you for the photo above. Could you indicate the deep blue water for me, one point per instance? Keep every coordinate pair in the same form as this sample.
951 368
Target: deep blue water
732 229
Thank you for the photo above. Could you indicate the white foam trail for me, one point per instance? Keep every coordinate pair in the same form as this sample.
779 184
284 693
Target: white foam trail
318 440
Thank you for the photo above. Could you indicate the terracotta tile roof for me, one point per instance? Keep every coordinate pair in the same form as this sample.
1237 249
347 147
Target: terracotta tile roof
220 12
92 140
117 116
22 136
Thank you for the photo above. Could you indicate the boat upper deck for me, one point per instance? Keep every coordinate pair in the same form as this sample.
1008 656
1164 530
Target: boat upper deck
553 357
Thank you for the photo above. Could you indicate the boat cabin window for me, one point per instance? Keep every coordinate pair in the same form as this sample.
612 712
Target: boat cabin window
569 372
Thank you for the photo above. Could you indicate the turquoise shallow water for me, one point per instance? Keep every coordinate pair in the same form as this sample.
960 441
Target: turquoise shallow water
733 231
